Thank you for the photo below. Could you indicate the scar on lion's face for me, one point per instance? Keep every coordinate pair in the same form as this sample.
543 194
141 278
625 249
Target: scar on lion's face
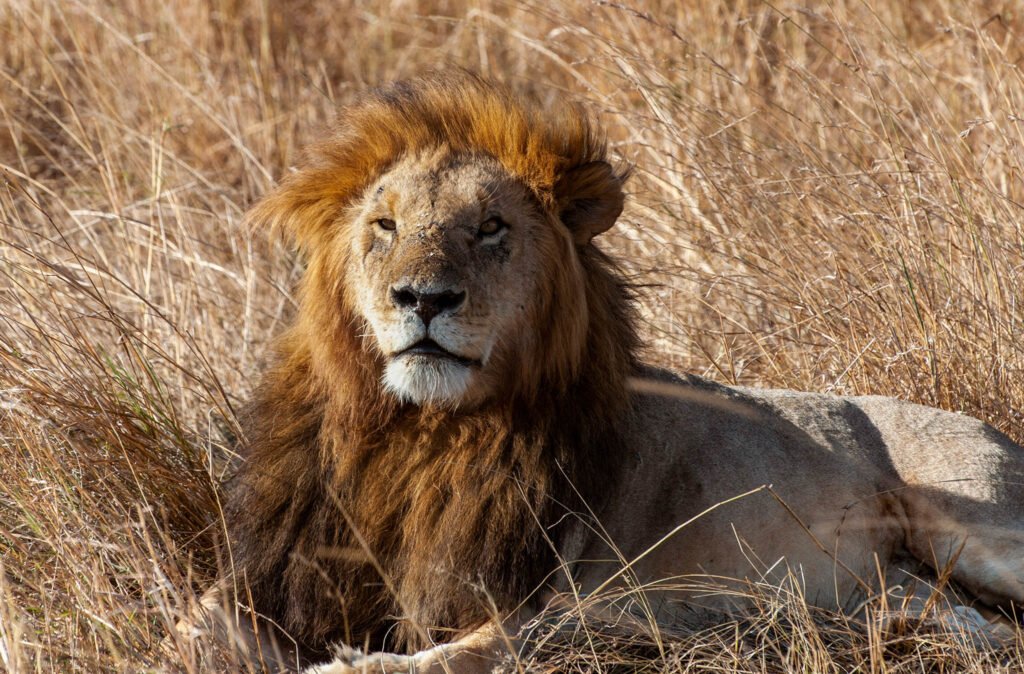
447 246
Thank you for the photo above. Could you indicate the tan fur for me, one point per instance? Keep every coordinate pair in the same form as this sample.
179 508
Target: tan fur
392 500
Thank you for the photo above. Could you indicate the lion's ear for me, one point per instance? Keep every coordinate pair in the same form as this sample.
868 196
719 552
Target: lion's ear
590 199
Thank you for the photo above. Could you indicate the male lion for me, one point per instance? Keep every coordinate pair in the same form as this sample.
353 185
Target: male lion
457 424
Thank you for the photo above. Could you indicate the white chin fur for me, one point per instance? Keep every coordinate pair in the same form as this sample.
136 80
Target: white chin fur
420 380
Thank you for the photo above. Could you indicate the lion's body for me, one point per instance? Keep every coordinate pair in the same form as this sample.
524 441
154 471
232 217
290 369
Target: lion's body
459 408
858 485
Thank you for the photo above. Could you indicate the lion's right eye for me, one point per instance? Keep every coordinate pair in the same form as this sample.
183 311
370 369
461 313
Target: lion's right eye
387 224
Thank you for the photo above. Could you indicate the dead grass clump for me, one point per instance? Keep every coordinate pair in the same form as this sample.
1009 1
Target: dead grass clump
782 633
826 198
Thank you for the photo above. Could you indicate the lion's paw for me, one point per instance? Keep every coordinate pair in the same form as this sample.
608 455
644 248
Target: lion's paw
349 660
333 667
344 656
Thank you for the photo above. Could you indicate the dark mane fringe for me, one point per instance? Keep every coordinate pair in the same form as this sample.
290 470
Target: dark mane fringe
356 519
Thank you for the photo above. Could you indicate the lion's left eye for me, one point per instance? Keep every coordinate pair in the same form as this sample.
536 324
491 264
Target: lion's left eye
491 226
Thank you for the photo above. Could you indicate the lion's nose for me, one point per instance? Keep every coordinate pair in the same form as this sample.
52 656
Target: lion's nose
427 305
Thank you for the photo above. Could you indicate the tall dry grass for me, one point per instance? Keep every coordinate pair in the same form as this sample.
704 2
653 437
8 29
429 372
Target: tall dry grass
827 196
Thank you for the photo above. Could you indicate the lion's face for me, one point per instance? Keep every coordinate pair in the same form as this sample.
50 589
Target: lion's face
448 256
447 225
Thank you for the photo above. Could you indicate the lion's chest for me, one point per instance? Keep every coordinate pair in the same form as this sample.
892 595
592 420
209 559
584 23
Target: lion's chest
445 522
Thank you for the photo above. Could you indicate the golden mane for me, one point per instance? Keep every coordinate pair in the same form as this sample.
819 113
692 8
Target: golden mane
459 111
359 519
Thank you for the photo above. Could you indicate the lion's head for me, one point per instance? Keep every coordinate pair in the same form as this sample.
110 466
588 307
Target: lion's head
449 221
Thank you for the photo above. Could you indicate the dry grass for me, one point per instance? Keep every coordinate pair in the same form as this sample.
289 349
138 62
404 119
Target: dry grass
824 199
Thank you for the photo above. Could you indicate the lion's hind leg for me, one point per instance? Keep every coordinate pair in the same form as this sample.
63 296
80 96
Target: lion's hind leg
962 496
984 555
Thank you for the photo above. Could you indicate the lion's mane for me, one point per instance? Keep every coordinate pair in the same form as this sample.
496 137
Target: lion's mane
354 517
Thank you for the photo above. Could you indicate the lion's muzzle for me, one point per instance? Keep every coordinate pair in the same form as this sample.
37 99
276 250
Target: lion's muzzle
427 304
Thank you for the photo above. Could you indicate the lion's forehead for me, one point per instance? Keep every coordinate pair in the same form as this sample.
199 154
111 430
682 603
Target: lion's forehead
443 190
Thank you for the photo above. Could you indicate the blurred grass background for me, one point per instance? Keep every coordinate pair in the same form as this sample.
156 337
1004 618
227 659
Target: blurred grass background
827 196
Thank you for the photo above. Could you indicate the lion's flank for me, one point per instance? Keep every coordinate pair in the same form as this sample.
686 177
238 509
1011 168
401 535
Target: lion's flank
357 518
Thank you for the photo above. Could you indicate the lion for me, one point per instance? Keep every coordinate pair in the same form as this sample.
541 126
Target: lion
458 425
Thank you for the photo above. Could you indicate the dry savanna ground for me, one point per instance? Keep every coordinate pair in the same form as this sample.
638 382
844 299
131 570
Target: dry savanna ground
827 196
